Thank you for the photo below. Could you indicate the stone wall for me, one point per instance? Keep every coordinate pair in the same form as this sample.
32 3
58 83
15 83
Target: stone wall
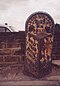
12 47
56 43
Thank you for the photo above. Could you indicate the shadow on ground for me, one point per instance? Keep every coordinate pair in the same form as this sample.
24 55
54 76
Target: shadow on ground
15 72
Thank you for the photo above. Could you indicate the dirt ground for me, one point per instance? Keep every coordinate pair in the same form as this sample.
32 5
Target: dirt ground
12 75
15 72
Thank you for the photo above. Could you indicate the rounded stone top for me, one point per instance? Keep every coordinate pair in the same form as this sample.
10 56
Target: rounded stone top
39 22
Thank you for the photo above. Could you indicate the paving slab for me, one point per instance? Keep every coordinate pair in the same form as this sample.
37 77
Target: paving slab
30 83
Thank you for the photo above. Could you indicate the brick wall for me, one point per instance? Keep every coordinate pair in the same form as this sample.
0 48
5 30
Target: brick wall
56 43
12 47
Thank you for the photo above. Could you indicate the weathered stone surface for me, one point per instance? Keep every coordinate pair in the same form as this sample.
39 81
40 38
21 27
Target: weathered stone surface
12 47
